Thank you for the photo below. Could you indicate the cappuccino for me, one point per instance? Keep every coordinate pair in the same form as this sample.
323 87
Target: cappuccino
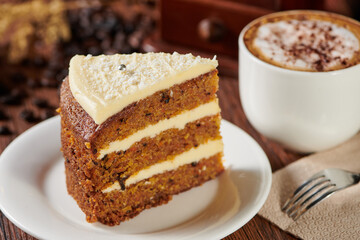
305 40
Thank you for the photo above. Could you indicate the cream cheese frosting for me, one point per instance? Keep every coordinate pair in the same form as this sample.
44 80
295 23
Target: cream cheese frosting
203 151
104 85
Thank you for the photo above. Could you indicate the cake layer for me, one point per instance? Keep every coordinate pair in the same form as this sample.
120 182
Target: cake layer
161 105
117 206
104 85
118 166
178 121
192 156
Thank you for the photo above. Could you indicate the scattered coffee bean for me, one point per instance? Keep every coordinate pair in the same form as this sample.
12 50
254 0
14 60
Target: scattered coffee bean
39 62
101 34
20 93
3 115
4 90
135 39
25 62
11 100
32 83
18 77
49 74
129 27
106 44
41 103
95 51
4 130
46 82
14 98
28 115
56 65
47 114
60 76
119 41
72 49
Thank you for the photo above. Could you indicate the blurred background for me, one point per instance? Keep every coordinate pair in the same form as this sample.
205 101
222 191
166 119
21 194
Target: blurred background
38 38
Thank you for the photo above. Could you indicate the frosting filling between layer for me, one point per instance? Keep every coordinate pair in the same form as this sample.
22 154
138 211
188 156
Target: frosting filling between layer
179 121
205 150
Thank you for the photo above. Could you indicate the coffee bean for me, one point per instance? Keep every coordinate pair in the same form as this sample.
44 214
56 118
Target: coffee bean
10 100
119 41
97 19
109 22
32 83
101 34
18 77
4 90
14 98
46 82
56 64
25 62
4 130
47 114
19 92
86 32
95 51
61 75
3 115
135 39
28 116
129 27
106 44
41 103
72 49
49 73
127 49
39 62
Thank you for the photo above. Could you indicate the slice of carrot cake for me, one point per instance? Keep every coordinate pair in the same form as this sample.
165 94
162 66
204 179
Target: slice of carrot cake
137 129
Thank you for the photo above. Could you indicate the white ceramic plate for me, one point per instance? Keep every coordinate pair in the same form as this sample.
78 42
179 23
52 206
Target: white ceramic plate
34 197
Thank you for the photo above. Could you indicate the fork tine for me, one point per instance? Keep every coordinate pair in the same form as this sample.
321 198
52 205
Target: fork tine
297 191
297 198
298 207
317 200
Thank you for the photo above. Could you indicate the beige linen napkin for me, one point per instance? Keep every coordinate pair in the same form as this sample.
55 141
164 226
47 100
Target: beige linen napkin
337 217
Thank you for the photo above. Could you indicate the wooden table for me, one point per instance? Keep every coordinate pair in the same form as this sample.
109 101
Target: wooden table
257 228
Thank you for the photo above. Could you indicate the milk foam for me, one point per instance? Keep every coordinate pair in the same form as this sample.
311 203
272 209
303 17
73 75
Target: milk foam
306 45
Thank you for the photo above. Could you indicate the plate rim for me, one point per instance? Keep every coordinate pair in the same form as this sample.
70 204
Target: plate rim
266 173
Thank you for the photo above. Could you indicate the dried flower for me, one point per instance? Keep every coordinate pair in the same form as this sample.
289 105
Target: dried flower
37 21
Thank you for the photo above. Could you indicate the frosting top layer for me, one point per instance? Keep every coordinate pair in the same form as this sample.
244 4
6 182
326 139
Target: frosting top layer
307 44
104 85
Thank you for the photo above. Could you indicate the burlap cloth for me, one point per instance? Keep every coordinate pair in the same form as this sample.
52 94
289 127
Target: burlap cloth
337 217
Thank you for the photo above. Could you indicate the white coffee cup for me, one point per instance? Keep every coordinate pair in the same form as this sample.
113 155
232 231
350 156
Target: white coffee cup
305 111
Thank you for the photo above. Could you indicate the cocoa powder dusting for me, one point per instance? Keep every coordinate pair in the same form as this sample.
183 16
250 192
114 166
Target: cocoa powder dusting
320 48
307 44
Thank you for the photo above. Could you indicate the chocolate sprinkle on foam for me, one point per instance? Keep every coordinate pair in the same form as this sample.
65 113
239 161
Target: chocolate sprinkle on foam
307 44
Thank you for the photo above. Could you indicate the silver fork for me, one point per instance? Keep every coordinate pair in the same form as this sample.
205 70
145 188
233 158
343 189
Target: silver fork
317 188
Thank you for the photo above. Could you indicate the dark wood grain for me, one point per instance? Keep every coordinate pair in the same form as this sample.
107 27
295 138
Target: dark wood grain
257 228
180 21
